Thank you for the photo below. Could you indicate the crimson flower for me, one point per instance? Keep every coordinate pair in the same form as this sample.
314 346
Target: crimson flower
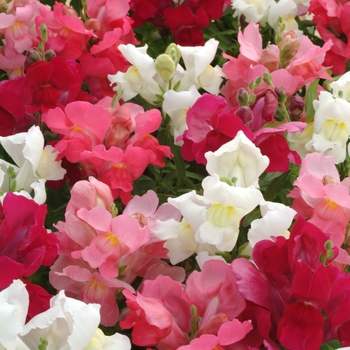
52 84
187 25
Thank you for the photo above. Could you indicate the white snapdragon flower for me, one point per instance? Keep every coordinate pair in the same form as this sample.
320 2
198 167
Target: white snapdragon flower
276 220
176 105
239 161
180 236
70 324
331 126
34 164
210 222
287 10
228 205
198 71
14 301
254 11
138 79
67 324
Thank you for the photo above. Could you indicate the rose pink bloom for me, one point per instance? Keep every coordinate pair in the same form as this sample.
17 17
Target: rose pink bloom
320 196
145 210
229 333
214 293
107 13
147 122
117 168
159 314
66 32
16 29
13 66
104 58
86 284
80 130
89 194
308 61
115 237
123 124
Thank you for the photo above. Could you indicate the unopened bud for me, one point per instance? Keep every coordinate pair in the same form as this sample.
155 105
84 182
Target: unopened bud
242 97
245 114
49 55
69 11
173 51
165 67
289 47
296 107
93 24
32 55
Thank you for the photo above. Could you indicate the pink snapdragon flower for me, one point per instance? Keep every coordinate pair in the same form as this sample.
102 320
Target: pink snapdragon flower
166 315
321 197
17 29
67 34
80 130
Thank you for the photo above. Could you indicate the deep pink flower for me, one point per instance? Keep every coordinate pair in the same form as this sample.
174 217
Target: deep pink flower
24 239
301 327
14 96
159 314
210 125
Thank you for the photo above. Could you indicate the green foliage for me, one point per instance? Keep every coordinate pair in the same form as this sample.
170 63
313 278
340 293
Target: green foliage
332 345
311 95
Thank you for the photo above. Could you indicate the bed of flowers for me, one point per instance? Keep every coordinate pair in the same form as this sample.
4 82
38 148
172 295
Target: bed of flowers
174 174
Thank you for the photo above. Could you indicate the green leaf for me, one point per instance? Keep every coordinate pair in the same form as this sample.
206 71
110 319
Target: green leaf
275 187
332 345
311 95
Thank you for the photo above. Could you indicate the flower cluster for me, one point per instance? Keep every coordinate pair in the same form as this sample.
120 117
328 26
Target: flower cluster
174 175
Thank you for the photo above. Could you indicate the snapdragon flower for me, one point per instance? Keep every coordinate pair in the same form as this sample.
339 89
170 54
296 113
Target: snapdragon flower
34 164
238 161
331 126
152 78
67 324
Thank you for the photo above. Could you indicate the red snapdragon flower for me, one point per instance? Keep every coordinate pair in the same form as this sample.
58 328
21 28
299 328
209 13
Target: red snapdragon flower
54 83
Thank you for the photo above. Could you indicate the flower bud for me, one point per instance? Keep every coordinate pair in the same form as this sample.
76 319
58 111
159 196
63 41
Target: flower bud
242 97
32 55
296 107
289 47
270 59
93 24
49 55
245 114
165 67
69 11
173 51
